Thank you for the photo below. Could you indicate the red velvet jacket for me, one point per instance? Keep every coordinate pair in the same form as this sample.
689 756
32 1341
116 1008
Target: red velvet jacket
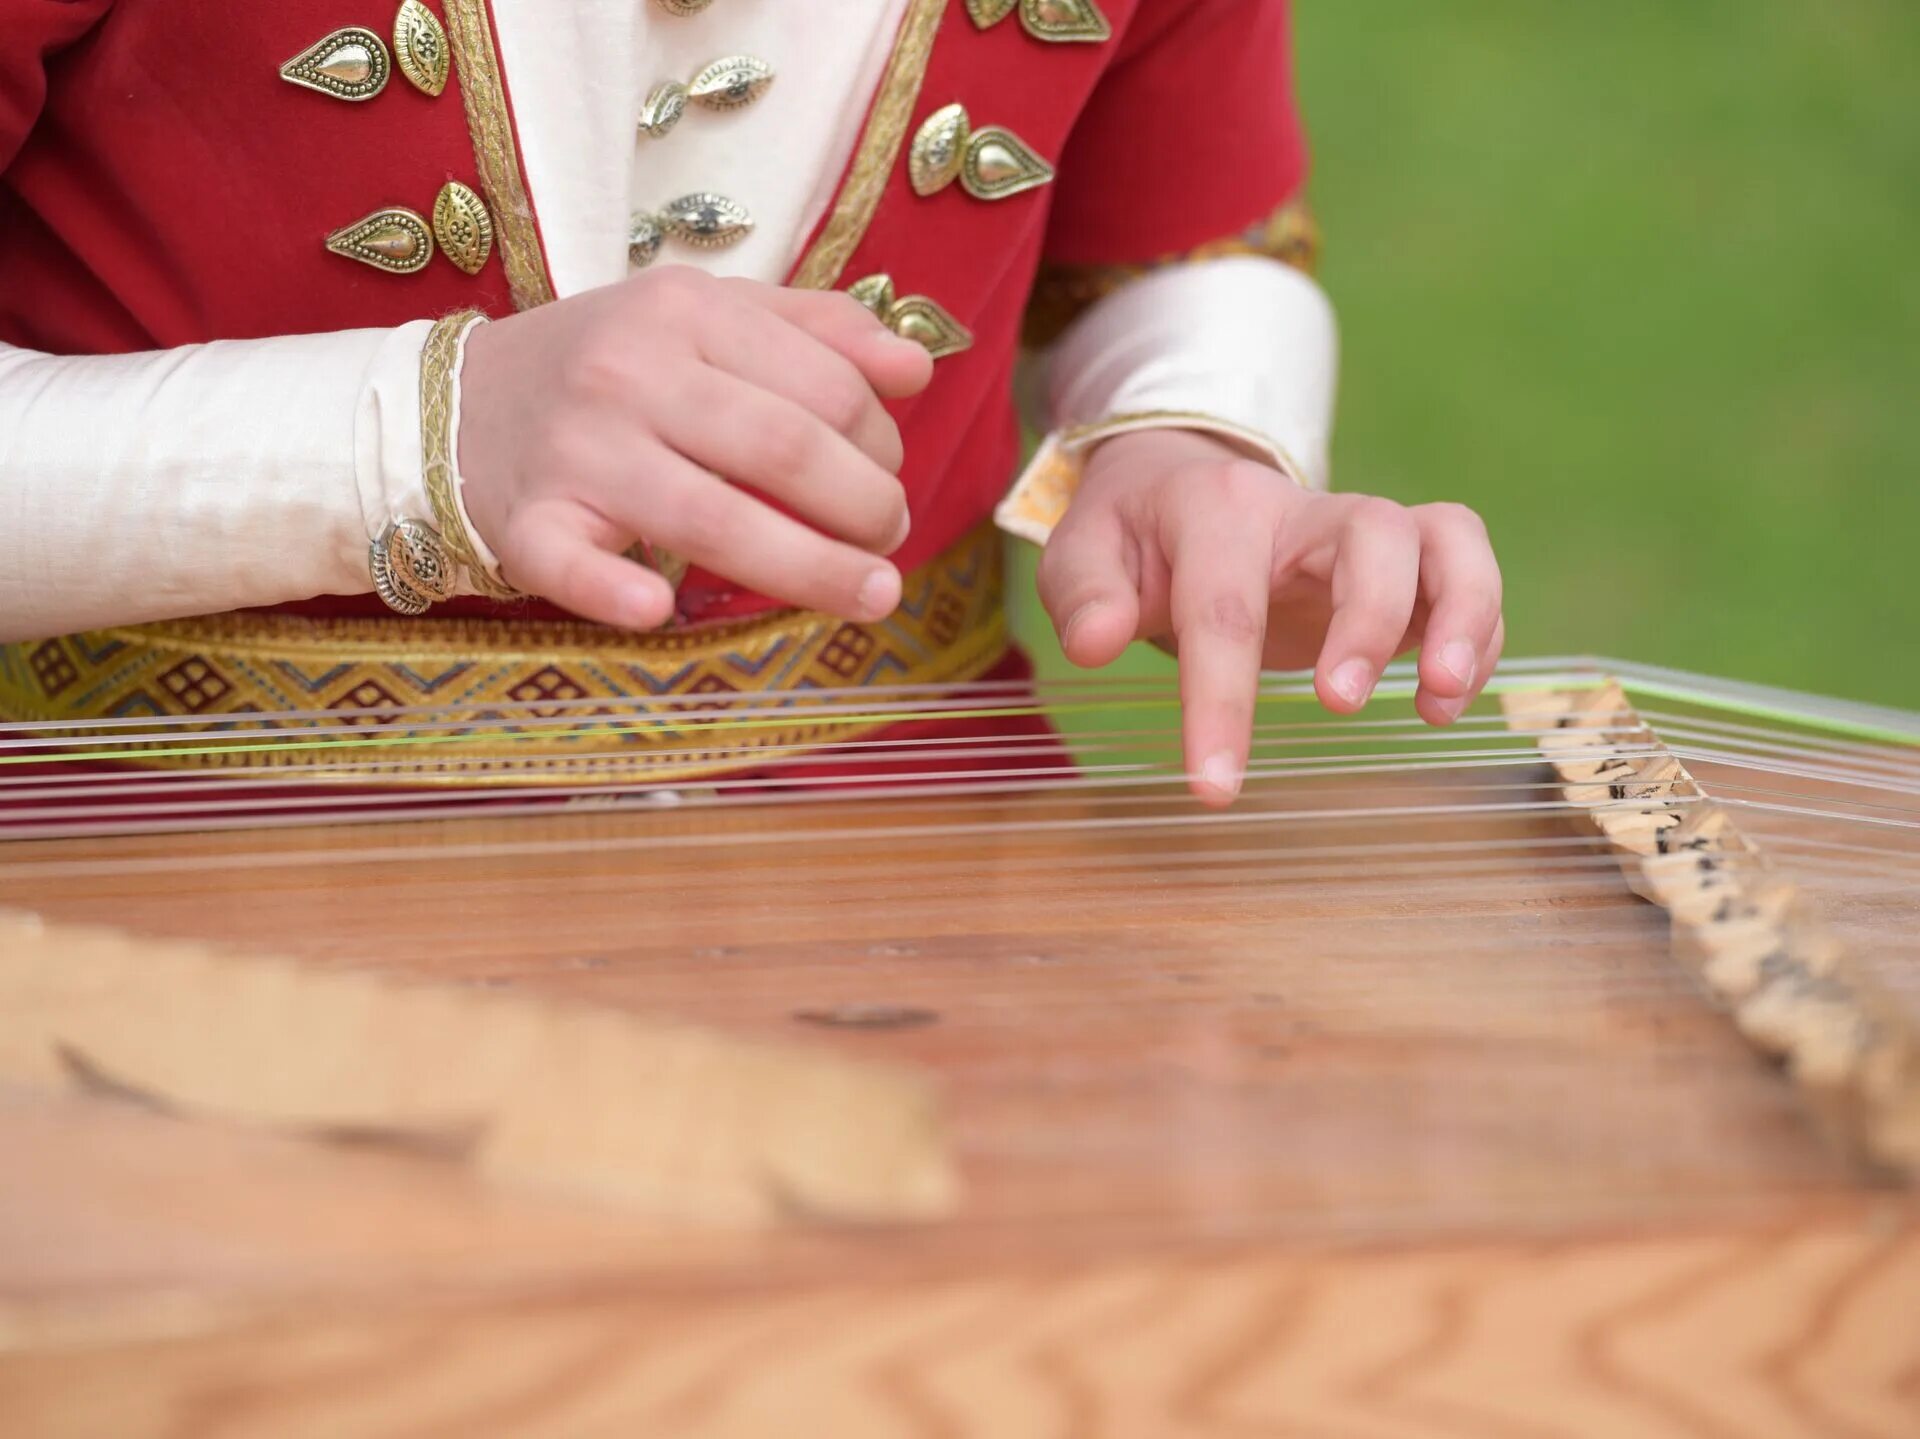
161 185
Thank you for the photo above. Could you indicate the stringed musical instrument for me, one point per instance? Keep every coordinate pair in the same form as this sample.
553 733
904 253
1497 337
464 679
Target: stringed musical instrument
1554 1074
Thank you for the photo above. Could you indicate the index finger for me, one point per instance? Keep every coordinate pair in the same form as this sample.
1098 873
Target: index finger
895 366
1222 583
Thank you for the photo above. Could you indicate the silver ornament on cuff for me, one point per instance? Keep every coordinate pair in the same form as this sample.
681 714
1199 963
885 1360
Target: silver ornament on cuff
411 566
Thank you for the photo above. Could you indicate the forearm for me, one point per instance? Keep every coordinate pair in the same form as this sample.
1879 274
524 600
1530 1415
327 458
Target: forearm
212 477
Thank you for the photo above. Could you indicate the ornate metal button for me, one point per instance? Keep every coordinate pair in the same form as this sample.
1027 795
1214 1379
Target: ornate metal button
939 150
706 221
464 227
410 566
920 319
394 239
875 292
990 163
999 163
349 64
727 84
1065 20
663 108
684 7
988 13
914 317
420 43
645 235
1056 21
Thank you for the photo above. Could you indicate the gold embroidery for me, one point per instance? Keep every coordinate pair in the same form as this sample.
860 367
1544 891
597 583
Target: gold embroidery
1062 292
879 149
914 317
1038 501
421 47
439 359
684 7
269 670
488 120
395 240
991 163
349 64
1083 437
463 227
1039 498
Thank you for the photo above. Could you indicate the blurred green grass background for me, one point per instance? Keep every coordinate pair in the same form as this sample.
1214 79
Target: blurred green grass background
1641 282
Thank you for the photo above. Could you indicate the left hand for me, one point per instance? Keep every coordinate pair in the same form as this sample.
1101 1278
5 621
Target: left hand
1174 535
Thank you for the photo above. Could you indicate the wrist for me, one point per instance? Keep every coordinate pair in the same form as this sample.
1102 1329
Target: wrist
442 411
425 548
1153 451
473 452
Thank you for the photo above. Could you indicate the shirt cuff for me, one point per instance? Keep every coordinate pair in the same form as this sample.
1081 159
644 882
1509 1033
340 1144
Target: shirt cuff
1244 348
206 478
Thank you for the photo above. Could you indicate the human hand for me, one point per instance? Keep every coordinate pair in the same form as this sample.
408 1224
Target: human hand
681 409
1174 535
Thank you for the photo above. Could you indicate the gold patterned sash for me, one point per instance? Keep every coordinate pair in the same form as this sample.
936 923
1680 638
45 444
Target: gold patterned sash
275 675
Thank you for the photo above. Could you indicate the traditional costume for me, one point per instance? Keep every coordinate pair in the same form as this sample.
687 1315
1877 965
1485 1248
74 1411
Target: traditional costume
241 246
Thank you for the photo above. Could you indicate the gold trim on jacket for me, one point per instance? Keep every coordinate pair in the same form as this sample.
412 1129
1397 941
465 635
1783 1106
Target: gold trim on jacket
284 678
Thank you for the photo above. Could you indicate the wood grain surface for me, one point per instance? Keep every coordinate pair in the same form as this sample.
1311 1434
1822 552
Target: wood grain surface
1795 1332
1378 1111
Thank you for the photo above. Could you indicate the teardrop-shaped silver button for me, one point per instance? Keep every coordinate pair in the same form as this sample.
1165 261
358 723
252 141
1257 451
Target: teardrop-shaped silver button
349 64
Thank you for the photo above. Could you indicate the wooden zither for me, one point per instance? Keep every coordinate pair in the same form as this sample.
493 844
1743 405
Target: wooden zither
1556 1074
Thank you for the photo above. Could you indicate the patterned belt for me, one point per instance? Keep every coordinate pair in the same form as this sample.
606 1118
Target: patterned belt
277 674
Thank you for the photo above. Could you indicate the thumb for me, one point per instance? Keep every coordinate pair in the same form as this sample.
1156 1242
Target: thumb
1085 585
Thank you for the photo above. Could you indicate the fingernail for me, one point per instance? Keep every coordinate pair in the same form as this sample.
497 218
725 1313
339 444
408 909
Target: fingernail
1221 773
879 593
1353 681
642 610
906 528
1456 658
1075 620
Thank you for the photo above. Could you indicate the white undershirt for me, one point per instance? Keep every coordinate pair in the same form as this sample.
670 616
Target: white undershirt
782 157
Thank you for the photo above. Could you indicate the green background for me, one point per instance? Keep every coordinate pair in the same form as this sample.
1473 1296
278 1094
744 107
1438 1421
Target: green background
1641 282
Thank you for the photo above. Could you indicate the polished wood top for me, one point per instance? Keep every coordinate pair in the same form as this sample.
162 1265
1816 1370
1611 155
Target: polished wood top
1412 1014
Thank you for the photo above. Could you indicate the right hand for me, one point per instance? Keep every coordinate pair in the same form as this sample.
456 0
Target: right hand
672 407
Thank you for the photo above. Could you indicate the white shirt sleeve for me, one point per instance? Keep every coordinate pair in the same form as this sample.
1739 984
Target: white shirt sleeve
1242 346
211 477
